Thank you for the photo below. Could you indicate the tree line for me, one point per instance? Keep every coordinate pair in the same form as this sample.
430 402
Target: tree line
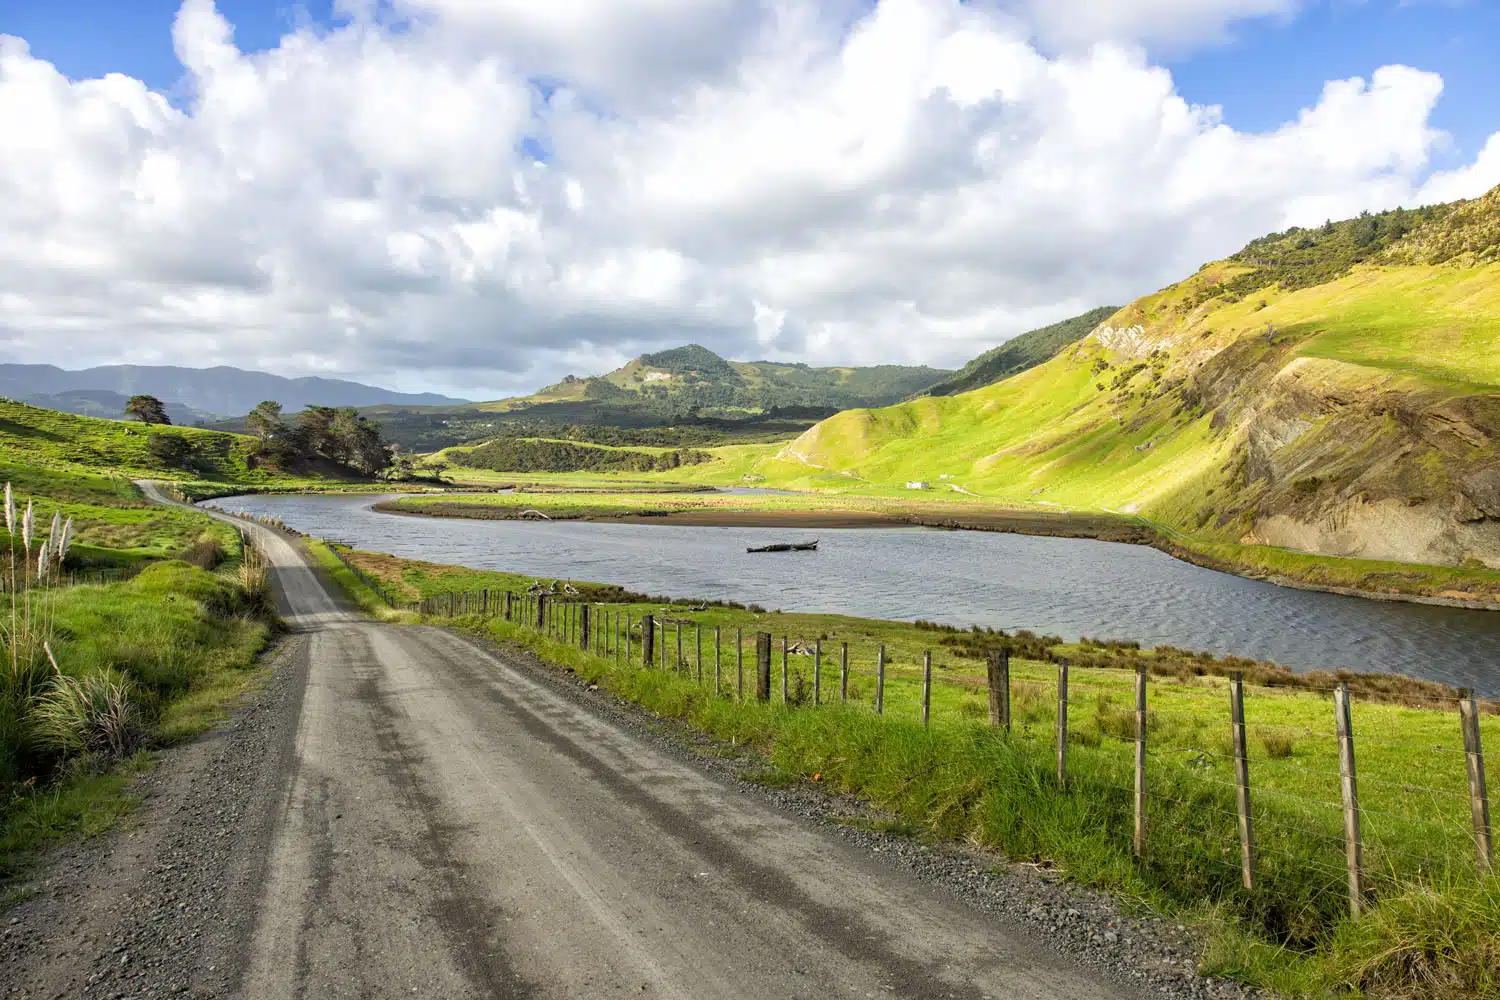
522 455
340 435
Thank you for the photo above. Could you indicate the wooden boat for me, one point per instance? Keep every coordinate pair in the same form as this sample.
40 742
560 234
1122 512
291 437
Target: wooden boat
811 546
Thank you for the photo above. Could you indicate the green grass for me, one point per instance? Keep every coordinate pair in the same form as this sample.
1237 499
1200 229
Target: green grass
1431 933
186 643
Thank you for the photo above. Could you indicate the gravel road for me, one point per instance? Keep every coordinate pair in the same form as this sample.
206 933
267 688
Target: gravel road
406 811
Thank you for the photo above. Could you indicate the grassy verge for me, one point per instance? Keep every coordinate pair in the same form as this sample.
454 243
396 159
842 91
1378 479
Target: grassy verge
1431 932
180 642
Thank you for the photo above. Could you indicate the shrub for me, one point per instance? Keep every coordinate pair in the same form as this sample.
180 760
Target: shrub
1278 745
93 715
206 552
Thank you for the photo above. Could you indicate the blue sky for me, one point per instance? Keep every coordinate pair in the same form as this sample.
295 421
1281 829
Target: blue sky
1269 68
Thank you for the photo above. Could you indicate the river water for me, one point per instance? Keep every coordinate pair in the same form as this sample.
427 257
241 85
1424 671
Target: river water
1062 586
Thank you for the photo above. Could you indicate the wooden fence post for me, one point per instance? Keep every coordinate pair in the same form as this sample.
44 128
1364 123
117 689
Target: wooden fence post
1479 800
698 643
541 612
880 681
1062 721
1140 761
1353 849
783 669
648 639
926 686
718 656
451 596
739 661
763 666
585 623
679 647
1242 778
843 673
508 597
627 637
817 672
999 671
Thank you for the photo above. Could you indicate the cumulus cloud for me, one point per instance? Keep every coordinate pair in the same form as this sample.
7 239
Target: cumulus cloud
481 196
1176 24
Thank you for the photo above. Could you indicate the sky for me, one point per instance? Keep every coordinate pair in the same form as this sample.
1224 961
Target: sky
480 196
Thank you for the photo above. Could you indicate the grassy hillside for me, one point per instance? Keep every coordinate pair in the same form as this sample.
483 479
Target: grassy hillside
83 467
1343 404
1020 353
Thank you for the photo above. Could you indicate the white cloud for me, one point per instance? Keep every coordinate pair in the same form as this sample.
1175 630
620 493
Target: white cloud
1173 24
911 181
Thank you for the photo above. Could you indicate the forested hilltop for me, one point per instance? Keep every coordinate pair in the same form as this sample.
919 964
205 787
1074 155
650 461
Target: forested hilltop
701 397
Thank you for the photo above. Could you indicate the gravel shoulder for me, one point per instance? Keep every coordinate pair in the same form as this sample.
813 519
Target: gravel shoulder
161 905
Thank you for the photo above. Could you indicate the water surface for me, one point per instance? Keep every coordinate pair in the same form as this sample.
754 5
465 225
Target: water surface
1063 586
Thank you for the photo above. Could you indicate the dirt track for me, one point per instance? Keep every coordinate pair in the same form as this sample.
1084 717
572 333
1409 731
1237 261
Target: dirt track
431 818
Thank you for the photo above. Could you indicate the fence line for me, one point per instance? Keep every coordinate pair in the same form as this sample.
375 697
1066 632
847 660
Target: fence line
1259 806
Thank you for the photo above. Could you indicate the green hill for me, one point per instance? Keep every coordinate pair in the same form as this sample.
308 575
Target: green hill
83 467
705 398
1334 390
1024 351
694 379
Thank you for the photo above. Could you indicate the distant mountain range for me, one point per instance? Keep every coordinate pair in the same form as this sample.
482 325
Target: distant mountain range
191 394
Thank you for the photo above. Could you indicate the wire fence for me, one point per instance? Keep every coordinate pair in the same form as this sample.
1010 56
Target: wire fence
1266 785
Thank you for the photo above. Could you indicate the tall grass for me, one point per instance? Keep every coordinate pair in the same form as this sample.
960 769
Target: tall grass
89 670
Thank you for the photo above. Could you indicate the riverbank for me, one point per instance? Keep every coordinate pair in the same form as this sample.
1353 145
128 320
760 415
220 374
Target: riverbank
810 511
1458 587
955 777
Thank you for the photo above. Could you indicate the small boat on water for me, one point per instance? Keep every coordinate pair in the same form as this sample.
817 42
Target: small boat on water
811 546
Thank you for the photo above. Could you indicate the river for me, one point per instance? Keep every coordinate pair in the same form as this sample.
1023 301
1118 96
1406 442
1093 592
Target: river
1061 586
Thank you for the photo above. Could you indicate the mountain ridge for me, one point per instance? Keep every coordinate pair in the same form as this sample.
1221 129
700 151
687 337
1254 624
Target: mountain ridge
221 391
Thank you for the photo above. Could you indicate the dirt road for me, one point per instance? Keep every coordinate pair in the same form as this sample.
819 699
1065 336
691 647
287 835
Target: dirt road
445 823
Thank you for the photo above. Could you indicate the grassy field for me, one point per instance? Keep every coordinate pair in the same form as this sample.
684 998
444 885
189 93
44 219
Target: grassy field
1430 934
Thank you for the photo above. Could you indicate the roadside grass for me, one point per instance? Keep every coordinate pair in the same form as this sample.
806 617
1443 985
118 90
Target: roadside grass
1431 933
185 644
368 601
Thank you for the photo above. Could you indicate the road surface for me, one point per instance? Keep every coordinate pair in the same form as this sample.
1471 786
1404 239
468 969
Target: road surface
449 825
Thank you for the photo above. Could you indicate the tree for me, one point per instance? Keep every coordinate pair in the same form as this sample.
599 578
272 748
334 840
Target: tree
265 420
147 409
313 428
